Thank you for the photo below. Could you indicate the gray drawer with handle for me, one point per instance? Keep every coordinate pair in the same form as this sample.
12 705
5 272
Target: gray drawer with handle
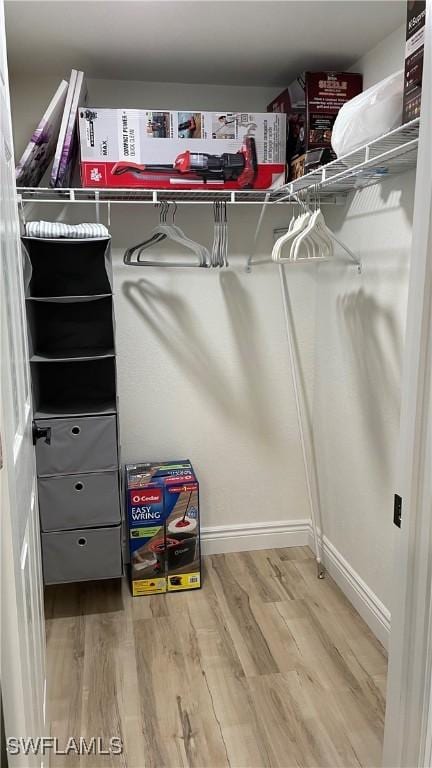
79 501
82 555
75 445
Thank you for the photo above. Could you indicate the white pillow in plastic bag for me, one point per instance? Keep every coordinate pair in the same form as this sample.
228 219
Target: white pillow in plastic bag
369 115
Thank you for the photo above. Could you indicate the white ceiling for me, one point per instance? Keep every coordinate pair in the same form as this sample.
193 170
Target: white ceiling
227 41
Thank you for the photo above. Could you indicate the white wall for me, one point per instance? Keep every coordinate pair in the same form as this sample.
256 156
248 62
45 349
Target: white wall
203 371
384 59
29 99
359 343
203 368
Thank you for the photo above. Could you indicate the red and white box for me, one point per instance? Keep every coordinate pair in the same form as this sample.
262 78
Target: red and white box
181 150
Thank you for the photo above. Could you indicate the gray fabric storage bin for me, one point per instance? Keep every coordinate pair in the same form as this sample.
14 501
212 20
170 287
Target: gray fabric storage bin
74 387
81 444
67 267
82 555
79 501
65 329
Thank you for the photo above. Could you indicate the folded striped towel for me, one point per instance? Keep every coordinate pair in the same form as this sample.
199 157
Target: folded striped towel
56 230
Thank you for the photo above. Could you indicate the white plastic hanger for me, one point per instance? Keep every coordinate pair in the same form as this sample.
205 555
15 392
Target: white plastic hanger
313 239
308 238
295 228
316 232
219 254
216 235
162 231
173 232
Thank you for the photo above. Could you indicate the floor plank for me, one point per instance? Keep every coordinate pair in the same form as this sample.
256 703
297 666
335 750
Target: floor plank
264 666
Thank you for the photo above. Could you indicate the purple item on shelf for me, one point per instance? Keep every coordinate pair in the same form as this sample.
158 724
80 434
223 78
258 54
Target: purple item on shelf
40 149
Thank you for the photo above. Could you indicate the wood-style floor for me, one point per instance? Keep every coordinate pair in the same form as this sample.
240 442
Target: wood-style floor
264 666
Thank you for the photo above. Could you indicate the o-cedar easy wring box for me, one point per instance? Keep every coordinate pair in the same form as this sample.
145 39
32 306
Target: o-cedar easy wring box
181 150
163 514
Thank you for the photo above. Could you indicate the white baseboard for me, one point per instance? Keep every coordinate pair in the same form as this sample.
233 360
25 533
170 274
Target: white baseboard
298 533
241 538
366 603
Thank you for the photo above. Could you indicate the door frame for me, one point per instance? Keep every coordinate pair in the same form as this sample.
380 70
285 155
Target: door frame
22 658
408 727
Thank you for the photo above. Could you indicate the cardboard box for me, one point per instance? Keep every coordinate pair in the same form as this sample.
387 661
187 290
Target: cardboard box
326 93
140 474
292 103
311 104
297 167
162 501
183 558
315 158
414 52
145 507
181 150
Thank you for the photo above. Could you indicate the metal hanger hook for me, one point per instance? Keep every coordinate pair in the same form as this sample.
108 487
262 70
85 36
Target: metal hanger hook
174 211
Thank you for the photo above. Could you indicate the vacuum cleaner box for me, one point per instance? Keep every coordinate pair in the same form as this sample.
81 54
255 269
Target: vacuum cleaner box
414 52
181 150
162 501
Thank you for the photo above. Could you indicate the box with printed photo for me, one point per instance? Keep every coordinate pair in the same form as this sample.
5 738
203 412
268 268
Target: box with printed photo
181 150
162 501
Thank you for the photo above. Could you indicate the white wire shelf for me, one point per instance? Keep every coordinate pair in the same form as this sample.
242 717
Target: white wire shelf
389 155
139 195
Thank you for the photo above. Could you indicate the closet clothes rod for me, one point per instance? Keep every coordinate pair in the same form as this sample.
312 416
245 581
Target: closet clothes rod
251 262
311 260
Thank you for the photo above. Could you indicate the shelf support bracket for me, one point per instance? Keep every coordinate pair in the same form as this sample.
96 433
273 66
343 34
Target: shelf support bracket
348 251
257 231
21 211
97 206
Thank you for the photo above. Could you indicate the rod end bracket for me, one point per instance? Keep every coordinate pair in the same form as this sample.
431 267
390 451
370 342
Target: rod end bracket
321 571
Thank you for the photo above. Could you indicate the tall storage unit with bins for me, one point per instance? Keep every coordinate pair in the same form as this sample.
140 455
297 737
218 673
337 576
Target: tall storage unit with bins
72 355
